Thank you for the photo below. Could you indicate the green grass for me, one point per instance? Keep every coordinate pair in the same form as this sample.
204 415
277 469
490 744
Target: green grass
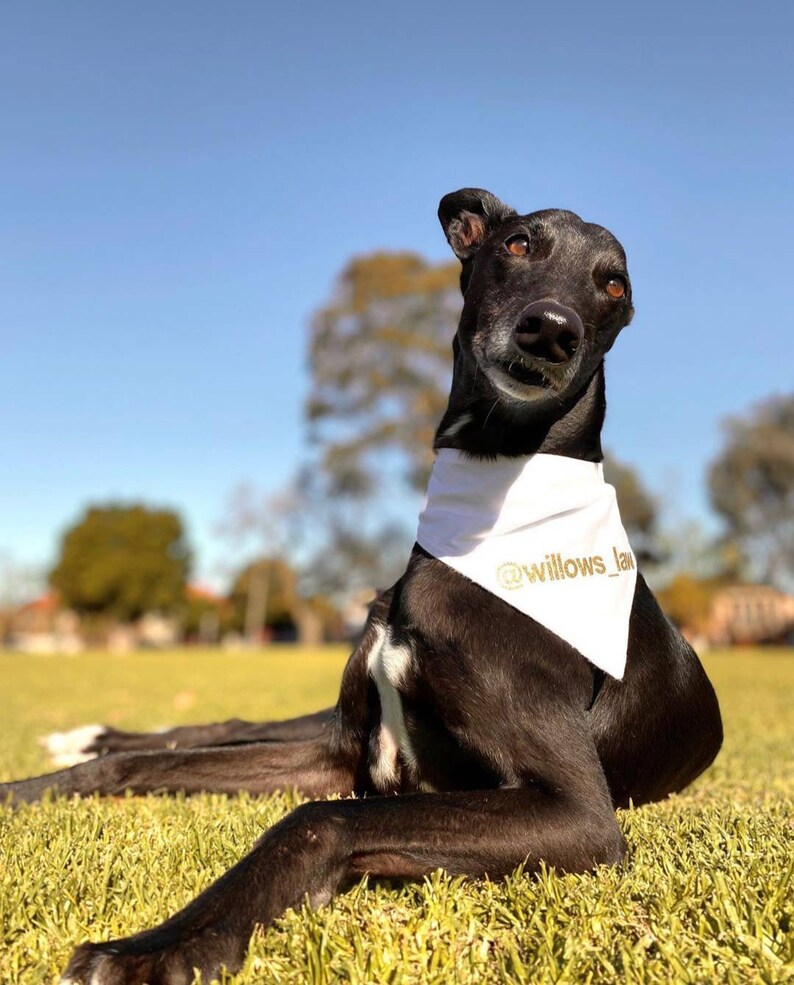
707 894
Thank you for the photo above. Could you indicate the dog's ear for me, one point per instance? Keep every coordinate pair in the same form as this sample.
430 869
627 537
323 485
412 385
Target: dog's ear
467 216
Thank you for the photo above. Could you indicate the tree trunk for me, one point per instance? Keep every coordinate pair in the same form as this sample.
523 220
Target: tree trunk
309 625
256 603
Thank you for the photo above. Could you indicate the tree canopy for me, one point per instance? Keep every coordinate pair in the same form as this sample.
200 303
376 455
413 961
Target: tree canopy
687 600
278 602
751 484
380 358
281 597
638 508
123 561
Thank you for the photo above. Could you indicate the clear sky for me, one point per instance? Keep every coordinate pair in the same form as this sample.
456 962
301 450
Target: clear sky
180 182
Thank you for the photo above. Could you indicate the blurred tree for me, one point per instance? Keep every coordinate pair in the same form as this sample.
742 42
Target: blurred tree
637 509
381 362
204 615
380 358
352 557
687 601
281 595
253 518
123 561
751 484
312 617
684 545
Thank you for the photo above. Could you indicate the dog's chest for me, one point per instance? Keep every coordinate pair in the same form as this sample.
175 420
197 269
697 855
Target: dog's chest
391 753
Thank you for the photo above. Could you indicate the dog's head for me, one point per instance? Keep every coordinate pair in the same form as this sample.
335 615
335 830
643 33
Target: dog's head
545 296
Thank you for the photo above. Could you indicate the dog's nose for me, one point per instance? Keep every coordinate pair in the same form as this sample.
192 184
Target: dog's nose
548 330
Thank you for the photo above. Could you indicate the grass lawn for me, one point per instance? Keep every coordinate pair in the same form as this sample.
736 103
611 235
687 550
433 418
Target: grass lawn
706 896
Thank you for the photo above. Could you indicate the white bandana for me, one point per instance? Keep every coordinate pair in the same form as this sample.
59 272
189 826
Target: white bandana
544 534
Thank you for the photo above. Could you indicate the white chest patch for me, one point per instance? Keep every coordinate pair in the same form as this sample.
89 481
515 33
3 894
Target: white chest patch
544 534
388 664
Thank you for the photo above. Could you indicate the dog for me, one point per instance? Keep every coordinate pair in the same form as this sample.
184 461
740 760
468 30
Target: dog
475 737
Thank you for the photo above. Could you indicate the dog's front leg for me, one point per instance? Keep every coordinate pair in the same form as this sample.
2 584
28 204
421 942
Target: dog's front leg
321 847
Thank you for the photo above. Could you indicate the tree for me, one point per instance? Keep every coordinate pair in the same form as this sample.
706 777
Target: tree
380 357
751 484
284 605
280 599
253 517
205 615
352 558
123 561
687 600
637 508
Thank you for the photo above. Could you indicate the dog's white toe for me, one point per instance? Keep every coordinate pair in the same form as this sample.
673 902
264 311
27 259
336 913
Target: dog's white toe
69 748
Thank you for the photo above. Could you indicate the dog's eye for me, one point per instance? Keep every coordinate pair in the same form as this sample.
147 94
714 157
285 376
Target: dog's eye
616 288
518 245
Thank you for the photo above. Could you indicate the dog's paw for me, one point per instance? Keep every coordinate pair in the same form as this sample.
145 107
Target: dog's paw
75 746
157 957
108 964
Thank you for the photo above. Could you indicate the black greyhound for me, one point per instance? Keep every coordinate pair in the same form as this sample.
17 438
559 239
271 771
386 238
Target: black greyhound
504 743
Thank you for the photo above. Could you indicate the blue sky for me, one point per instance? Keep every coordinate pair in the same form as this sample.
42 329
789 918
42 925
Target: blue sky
180 183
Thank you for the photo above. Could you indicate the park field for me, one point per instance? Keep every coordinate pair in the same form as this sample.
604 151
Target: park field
707 893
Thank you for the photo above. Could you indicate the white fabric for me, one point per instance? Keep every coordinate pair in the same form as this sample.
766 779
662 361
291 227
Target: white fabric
544 534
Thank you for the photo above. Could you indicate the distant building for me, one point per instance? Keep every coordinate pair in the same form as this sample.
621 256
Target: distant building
44 626
750 614
204 594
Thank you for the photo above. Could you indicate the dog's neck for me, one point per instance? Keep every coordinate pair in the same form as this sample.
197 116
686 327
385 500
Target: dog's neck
485 426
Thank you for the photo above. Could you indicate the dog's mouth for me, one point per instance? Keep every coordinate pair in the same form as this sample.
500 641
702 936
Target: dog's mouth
518 381
517 370
524 379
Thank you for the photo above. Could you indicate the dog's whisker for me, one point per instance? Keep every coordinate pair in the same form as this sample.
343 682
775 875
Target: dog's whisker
487 416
